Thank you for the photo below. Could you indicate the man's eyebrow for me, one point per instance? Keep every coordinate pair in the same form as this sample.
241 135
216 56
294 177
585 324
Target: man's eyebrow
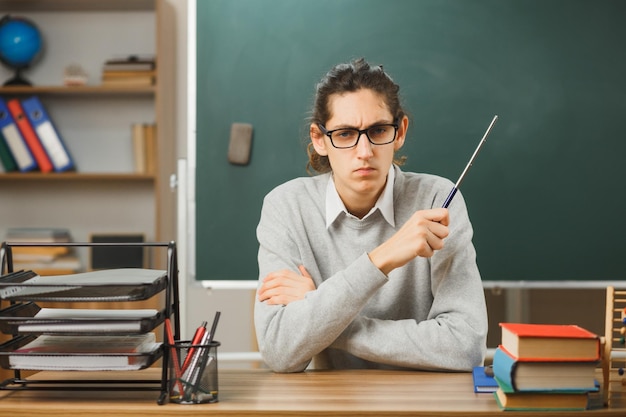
377 123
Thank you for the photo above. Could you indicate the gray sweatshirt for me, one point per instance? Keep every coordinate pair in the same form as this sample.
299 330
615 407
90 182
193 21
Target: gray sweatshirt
429 314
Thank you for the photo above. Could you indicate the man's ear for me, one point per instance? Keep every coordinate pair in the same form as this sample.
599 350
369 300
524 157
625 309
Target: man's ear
318 140
403 126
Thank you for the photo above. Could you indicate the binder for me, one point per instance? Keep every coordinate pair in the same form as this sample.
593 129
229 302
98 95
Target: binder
29 135
6 158
14 140
48 134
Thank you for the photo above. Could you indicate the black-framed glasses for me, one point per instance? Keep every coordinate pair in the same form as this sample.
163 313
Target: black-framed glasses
348 137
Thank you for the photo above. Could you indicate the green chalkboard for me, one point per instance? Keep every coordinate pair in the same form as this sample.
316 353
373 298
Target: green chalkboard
545 194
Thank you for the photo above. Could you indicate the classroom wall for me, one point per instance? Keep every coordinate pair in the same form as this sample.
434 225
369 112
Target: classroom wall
542 305
236 329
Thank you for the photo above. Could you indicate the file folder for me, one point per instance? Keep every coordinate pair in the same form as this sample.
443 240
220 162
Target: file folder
29 135
48 134
6 157
14 140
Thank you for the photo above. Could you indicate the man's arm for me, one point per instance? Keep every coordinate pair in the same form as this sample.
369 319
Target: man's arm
290 334
452 336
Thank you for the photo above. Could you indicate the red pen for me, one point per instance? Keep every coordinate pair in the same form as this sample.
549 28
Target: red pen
197 338
170 339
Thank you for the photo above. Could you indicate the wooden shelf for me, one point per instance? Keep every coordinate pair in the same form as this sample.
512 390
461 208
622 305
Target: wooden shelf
75 176
73 5
77 90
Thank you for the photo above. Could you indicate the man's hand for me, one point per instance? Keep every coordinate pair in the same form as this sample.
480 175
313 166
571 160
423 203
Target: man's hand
421 235
284 287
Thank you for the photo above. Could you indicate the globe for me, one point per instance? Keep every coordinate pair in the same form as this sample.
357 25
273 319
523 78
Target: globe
20 46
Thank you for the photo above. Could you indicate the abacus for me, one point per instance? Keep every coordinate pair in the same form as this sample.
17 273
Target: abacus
614 344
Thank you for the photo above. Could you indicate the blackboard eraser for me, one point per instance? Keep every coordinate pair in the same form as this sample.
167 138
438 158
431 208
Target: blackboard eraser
240 143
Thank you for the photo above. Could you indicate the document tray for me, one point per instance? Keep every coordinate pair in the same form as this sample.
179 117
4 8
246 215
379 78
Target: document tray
112 285
76 338
71 361
29 318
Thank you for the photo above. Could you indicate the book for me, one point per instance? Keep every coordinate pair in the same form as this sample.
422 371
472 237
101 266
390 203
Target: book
14 140
48 134
131 71
149 134
38 235
130 63
38 253
29 135
139 147
128 82
44 260
550 342
483 381
78 353
57 265
114 73
535 401
66 320
6 157
513 374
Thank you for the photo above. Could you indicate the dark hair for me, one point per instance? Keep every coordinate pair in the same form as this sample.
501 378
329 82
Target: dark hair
344 78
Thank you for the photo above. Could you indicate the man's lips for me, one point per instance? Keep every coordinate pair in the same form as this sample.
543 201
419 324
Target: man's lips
364 170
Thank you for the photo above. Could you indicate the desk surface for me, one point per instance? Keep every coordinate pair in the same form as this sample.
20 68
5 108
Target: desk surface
260 392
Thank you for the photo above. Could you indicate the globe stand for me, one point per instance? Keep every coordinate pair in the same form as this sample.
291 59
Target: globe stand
17 80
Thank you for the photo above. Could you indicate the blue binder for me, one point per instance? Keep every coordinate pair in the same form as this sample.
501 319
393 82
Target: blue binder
48 134
14 140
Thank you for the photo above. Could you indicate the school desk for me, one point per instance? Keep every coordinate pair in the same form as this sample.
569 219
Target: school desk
261 392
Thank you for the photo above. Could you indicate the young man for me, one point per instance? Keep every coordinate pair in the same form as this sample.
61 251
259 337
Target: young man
360 267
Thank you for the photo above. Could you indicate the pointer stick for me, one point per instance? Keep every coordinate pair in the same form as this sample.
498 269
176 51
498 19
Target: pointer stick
469 164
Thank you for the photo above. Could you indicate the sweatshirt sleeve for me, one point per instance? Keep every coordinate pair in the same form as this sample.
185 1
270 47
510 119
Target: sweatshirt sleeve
453 336
290 336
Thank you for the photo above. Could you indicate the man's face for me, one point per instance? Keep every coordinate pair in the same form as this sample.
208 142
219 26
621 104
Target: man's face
359 172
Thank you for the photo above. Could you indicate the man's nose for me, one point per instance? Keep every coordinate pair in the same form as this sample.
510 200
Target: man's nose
363 145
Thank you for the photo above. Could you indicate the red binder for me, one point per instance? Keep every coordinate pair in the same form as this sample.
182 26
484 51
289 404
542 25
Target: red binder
31 138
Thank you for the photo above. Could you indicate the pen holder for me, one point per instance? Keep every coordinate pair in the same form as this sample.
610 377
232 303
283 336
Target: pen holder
192 372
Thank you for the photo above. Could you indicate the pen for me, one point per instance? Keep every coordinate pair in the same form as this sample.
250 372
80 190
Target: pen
197 338
193 374
200 358
170 338
214 326
207 338
469 164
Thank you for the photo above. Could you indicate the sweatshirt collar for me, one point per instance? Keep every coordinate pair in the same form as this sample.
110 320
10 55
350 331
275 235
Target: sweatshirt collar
334 205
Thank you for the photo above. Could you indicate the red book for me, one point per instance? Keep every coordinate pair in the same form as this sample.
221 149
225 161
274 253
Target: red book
550 342
31 138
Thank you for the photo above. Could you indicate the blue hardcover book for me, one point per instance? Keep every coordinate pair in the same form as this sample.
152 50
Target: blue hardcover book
48 134
518 375
483 380
14 140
